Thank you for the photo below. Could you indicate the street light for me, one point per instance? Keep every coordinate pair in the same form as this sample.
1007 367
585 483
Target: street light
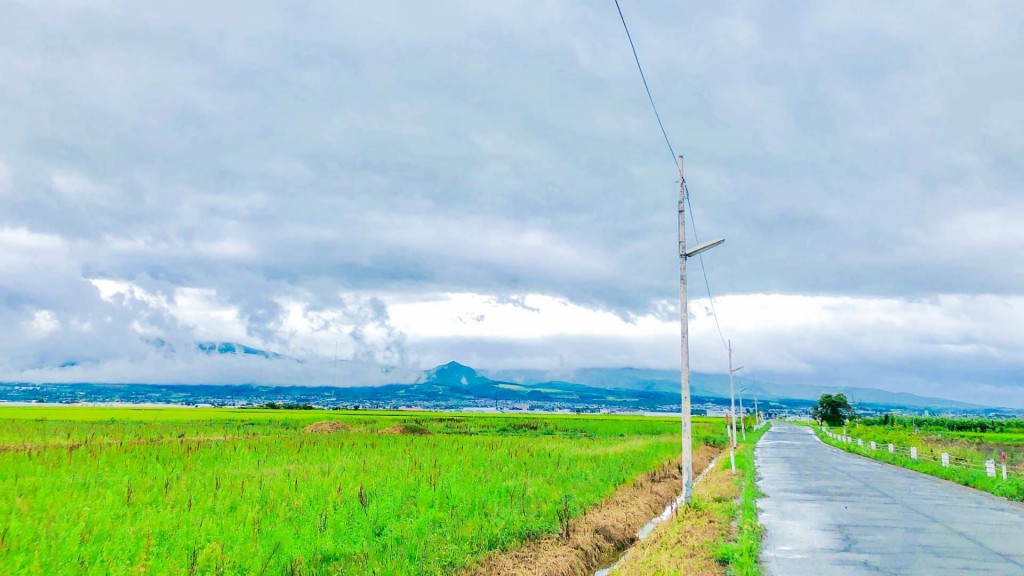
704 247
684 388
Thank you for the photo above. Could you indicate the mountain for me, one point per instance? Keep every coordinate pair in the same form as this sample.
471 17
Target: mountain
234 348
450 385
717 385
455 380
632 387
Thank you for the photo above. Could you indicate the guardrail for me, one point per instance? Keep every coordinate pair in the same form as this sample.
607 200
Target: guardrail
946 459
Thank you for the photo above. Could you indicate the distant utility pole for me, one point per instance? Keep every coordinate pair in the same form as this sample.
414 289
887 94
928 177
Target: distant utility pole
757 415
743 425
684 389
732 409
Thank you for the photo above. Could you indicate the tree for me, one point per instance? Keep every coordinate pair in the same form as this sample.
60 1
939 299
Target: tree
833 409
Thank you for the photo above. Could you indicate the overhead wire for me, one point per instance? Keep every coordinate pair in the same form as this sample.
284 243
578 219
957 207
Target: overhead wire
646 87
686 190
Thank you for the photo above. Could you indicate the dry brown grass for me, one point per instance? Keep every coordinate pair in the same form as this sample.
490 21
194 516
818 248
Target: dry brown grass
687 544
406 430
327 427
599 535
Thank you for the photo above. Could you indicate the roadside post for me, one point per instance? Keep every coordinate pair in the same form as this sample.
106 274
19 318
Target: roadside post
990 468
892 449
1002 457
913 453
945 460
873 446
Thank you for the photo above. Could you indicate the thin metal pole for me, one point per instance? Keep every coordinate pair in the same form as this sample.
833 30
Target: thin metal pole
684 388
732 415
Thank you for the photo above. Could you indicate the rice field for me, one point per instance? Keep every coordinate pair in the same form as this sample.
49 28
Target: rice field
227 491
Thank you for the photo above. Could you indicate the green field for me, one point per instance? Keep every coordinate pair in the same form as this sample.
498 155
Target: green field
197 491
968 441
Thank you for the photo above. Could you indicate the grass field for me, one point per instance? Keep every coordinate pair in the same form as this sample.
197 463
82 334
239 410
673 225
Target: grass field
197 491
968 450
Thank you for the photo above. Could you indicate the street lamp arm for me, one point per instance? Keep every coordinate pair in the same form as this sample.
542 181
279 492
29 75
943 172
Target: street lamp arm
702 248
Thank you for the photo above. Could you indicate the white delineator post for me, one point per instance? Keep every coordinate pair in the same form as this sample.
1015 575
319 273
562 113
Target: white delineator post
990 468
913 453
892 449
945 460
873 445
1003 458
684 387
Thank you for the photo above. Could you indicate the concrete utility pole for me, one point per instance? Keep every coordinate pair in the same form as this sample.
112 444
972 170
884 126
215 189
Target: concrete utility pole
684 388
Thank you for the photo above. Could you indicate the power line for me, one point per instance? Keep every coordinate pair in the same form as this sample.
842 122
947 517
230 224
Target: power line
646 87
704 272
672 151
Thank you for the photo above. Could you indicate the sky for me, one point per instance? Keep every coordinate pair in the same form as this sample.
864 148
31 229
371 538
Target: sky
400 184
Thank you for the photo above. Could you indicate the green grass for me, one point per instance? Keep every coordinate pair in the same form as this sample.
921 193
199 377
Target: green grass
930 447
215 491
741 555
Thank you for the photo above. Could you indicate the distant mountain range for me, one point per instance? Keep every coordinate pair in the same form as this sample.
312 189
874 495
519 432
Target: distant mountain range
454 381
717 386
448 386
615 387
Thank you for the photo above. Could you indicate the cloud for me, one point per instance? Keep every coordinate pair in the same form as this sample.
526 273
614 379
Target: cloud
280 174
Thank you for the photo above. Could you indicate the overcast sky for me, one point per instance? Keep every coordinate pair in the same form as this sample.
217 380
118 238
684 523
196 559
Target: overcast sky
415 182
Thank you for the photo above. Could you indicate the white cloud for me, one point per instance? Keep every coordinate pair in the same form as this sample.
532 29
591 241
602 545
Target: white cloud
43 323
78 189
390 176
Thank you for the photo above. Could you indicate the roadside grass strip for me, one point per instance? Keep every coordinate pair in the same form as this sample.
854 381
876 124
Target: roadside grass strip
968 469
717 534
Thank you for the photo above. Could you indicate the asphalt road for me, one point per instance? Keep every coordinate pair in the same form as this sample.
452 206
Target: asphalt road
826 511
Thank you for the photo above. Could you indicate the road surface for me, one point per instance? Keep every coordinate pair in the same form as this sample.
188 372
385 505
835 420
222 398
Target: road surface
826 511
